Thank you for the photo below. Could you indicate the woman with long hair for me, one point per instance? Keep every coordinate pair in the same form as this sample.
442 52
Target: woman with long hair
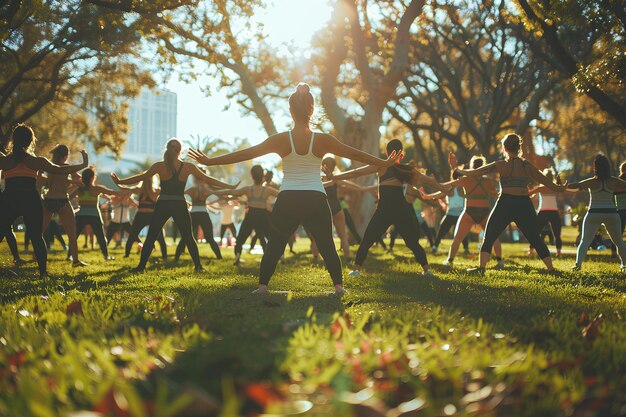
602 209
477 190
9 234
173 174
20 170
301 198
513 204
548 211
147 196
57 201
393 208
88 214
200 218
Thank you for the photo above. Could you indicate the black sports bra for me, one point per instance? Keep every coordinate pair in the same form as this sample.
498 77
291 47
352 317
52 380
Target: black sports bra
173 186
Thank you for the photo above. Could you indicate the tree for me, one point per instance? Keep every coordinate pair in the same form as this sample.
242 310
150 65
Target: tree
470 80
75 58
583 40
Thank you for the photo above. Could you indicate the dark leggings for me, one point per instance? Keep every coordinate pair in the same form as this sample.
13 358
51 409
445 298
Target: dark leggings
163 210
225 227
518 209
552 218
396 211
11 241
54 231
292 208
115 227
256 219
448 222
25 203
351 226
98 229
141 220
203 220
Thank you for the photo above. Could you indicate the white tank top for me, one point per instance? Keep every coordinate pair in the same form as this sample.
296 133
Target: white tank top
302 172
547 202
602 198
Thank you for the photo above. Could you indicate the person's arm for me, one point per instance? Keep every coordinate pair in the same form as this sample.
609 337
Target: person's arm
433 196
263 148
213 182
44 164
357 172
538 176
419 178
537 190
134 179
235 193
345 151
619 185
101 189
349 185
475 173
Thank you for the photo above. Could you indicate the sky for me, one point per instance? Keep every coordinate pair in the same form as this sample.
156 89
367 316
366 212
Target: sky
285 21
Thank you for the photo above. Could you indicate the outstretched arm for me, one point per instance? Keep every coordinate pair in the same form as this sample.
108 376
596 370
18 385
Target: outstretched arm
44 164
134 179
619 185
357 172
341 149
213 182
419 178
236 193
263 148
538 176
475 173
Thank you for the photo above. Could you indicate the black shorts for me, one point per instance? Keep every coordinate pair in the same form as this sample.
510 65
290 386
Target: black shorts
478 214
54 205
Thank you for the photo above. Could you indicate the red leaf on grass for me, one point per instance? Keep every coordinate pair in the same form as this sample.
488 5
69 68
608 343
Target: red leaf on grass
75 307
263 394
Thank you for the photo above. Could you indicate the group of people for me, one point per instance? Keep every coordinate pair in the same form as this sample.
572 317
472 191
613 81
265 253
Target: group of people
309 198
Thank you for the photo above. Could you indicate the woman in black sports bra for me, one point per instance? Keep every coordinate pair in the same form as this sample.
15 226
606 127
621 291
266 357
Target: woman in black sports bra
514 203
171 202
20 170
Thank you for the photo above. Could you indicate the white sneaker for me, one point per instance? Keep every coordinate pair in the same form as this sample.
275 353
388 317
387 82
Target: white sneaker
261 290
576 268
428 274
340 291
354 273
447 262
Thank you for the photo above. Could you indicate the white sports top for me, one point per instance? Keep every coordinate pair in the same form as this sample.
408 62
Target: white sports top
120 213
547 202
302 172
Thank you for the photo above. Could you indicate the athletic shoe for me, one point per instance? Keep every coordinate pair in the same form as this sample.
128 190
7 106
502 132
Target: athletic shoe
479 271
78 263
448 262
261 291
622 267
433 249
354 273
340 291
576 268
499 265
19 261
428 274
109 258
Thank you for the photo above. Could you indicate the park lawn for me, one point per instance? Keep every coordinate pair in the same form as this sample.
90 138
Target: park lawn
170 342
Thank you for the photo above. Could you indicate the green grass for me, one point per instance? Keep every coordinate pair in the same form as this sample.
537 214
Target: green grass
173 343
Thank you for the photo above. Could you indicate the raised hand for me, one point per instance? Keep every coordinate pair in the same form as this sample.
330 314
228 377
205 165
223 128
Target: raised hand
83 153
115 178
452 160
328 172
199 156
394 158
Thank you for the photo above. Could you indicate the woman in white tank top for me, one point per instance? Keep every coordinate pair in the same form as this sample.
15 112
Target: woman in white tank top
548 210
301 199
602 209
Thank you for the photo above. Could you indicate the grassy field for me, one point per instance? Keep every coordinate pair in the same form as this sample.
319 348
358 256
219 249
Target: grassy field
169 342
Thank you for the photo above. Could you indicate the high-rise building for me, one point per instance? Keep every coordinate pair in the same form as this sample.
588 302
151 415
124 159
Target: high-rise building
151 122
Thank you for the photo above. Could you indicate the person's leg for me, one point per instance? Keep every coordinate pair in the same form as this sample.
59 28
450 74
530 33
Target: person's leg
244 232
283 223
7 218
98 229
321 226
182 218
67 217
33 219
463 226
407 225
111 230
526 219
180 248
392 238
555 224
204 220
339 220
498 220
613 226
162 212
378 224
590 225
447 222
12 242
351 225
140 221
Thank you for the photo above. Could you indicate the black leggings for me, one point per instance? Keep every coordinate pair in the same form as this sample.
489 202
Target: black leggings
203 220
552 218
392 210
225 227
11 241
446 224
141 220
115 227
163 210
256 219
518 209
98 229
25 203
351 226
292 208
54 231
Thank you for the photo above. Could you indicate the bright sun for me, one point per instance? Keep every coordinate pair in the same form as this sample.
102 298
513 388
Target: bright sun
294 21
